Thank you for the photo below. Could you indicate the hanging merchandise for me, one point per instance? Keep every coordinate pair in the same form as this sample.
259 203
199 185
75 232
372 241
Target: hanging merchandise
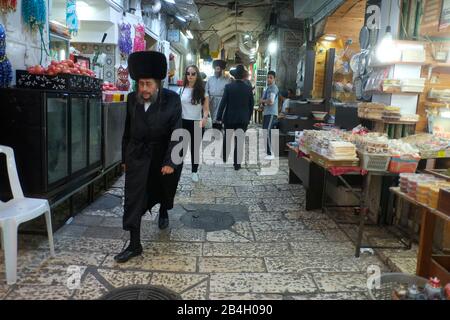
139 38
34 14
172 67
204 51
7 6
71 17
125 43
123 83
5 65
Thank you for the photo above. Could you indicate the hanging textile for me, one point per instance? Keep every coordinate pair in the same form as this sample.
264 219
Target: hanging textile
125 43
123 82
34 14
5 65
7 6
71 17
139 38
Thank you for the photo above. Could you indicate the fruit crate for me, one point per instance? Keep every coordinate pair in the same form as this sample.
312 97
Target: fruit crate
60 82
374 162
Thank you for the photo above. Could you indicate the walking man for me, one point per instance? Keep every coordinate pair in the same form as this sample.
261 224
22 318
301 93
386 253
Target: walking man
153 114
269 103
215 88
235 111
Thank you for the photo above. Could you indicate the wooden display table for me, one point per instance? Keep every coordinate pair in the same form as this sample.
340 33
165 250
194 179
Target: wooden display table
428 265
313 172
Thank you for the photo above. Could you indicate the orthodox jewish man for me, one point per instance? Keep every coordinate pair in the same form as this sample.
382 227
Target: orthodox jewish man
152 177
215 88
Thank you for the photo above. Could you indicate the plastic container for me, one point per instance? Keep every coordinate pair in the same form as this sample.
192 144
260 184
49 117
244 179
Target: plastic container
400 164
374 162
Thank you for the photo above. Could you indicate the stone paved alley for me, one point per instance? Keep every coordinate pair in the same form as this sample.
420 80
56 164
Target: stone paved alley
275 250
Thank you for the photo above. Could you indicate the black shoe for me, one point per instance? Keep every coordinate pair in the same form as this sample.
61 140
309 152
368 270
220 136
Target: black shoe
127 254
163 222
237 167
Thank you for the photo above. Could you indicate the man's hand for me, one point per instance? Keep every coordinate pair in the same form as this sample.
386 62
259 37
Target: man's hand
166 170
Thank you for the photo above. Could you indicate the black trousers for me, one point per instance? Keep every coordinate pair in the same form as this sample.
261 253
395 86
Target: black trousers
195 142
229 132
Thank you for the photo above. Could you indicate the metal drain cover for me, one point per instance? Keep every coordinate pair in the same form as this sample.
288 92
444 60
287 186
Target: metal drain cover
141 292
208 220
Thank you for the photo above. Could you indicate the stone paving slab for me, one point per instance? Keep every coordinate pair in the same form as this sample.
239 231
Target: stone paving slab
244 296
178 282
199 292
90 289
261 283
254 250
40 293
120 279
337 282
225 236
83 244
288 235
332 296
231 265
148 262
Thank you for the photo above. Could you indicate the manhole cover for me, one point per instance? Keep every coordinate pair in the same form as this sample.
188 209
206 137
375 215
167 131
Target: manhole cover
208 220
141 292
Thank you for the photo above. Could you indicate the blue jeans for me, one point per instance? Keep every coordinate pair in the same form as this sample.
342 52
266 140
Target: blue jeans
268 124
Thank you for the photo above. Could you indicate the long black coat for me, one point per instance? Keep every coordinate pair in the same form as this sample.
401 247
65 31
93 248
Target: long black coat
146 148
236 107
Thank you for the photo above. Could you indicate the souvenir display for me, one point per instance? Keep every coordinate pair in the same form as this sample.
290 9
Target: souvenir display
139 38
5 65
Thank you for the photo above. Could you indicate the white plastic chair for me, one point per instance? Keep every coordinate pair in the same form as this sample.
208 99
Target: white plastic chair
15 212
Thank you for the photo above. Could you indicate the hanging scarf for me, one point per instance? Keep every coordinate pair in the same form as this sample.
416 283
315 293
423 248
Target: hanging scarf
139 38
125 42
34 14
5 65
8 5
71 17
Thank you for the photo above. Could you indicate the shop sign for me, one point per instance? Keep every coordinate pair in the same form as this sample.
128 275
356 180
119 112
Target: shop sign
173 35
445 15
373 14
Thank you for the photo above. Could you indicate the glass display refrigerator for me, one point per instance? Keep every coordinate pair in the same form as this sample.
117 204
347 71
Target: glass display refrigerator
56 137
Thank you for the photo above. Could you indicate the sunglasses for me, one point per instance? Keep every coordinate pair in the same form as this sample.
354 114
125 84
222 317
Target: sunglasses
193 74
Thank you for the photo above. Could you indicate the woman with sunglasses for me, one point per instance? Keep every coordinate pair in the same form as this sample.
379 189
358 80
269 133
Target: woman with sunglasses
195 103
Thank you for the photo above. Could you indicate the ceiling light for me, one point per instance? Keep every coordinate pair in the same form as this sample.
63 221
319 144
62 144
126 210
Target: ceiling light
386 50
189 34
189 57
170 1
181 19
273 46
330 37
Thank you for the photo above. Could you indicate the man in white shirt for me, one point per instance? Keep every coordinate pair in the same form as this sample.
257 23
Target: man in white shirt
215 88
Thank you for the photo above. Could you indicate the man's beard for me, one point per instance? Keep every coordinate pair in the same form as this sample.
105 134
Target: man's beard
140 99
218 74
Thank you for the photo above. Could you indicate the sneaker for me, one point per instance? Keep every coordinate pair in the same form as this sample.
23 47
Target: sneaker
195 177
271 157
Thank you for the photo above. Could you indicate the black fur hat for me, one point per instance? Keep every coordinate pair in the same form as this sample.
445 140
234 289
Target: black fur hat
220 63
147 65
239 72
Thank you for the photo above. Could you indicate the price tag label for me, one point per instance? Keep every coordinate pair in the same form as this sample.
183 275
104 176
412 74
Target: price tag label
441 154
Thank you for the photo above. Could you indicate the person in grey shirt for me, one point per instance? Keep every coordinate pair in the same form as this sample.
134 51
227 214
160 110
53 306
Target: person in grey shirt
269 103
215 88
